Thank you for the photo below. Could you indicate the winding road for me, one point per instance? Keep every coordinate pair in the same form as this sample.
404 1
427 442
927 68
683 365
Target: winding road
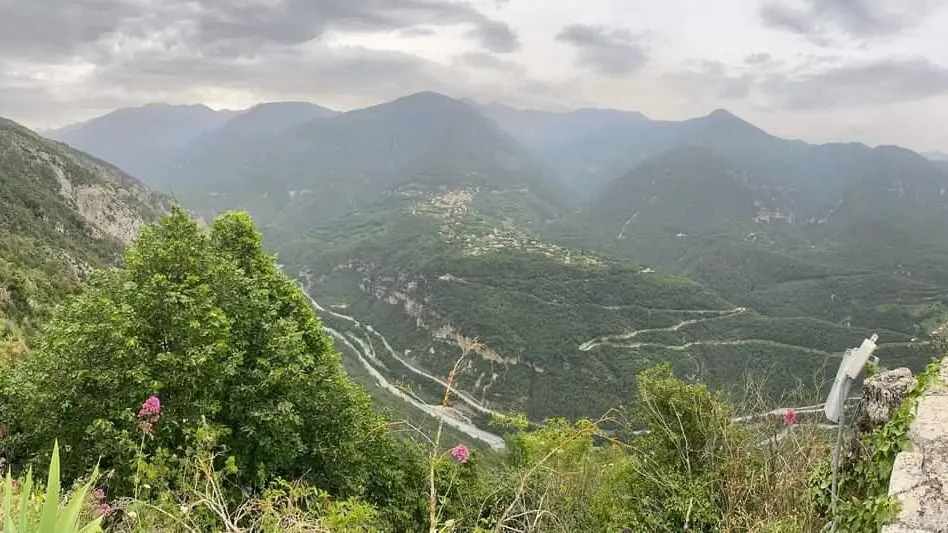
611 339
363 349
360 342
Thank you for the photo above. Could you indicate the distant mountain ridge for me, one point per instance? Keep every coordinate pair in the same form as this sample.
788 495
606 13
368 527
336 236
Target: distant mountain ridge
585 147
327 167
141 140
544 130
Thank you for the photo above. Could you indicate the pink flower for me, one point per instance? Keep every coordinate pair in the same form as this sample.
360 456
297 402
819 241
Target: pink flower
789 418
99 494
151 408
460 453
103 509
148 414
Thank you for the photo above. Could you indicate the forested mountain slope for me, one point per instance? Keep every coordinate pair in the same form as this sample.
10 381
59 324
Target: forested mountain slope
562 331
143 140
62 213
326 168
872 254
708 243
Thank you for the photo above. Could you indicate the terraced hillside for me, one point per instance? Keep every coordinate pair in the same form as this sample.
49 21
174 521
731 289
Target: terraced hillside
562 332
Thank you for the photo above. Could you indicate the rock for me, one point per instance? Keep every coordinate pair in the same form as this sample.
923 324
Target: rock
882 394
920 473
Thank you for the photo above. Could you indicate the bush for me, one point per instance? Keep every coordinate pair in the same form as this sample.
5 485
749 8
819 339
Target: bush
207 323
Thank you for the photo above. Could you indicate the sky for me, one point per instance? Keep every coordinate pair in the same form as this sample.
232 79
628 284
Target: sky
873 71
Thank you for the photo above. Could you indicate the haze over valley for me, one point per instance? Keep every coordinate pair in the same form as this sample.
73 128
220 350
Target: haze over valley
263 262
578 247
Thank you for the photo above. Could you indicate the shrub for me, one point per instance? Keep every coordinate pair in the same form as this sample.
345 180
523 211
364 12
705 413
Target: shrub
206 322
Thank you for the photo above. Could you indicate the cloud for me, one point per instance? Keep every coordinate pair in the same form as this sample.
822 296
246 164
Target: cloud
486 61
861 19
299 21
759 58
712 81
496 36
50 29
284 72
817 84
882 81
608 51
89 52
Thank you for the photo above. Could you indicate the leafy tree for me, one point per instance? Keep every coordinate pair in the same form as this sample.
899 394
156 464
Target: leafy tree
672 479
207 322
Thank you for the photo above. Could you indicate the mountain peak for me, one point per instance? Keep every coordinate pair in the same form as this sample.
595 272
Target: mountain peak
425 103
165 105
722 119
721 114
429 98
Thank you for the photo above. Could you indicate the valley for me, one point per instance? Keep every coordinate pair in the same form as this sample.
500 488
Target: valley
431 242
719 248
473 266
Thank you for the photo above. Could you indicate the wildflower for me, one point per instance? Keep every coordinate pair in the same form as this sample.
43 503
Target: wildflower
103 509
460 453
789 418
148 414
99 494
151 408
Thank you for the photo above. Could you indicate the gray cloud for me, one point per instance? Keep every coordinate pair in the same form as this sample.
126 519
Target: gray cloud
282 72
863 19
821 84
711 80
51 29
877 82
609 51
417 32
496 36
759 58
124 51
486 61
298 21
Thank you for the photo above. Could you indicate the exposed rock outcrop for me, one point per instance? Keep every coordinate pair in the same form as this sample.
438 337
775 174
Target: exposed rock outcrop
882 394
920 474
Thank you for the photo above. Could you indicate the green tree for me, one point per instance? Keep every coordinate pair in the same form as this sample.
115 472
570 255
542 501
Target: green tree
207 322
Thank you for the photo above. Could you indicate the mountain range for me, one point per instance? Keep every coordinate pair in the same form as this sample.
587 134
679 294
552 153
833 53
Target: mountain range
579 247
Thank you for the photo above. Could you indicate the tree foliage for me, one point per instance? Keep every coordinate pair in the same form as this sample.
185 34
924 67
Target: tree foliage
207 322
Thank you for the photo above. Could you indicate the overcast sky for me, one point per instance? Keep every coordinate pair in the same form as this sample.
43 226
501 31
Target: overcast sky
874 71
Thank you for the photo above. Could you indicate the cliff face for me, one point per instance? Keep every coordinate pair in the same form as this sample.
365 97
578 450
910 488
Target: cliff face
112 203
62 214
920 473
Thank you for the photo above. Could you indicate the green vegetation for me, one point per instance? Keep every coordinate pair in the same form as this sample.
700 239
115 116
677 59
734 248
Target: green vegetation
47 244
864 503
208 324
40 515
406 272
447 268
327 168
250 424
